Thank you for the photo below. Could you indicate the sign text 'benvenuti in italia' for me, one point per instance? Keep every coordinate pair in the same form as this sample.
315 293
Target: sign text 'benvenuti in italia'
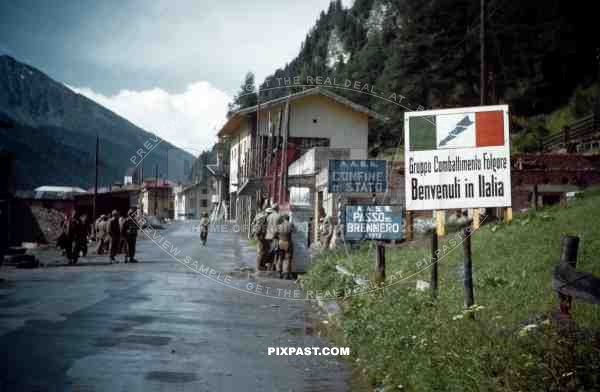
457 158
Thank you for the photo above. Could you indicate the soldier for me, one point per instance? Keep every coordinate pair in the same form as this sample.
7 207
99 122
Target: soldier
130 232
122 242
105 233
73 229
259 229
82 241
272 222
204 222
115 235
325 229
285 246
100 234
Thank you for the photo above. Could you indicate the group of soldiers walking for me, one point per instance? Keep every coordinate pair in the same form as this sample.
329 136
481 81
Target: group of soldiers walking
114 234
74 237
117 234
272 231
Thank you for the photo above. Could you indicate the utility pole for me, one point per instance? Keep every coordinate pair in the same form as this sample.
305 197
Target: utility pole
95 199
156 191
597 103
482 73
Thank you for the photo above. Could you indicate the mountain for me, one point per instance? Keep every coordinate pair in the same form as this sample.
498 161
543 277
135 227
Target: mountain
52 130
538 54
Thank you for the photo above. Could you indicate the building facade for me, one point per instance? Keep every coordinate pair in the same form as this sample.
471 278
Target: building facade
265 139
156 199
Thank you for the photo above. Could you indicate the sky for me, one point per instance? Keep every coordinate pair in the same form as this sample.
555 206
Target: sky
169 67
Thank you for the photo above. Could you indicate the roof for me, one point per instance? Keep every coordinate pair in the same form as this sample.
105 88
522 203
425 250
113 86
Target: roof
59 189
215 169
200 185
233 121
162 183
115 189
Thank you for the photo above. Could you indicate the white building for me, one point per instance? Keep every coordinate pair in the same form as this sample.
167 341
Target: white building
266 138
191 201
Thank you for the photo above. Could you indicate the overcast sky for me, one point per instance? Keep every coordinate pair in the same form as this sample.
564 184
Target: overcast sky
167 66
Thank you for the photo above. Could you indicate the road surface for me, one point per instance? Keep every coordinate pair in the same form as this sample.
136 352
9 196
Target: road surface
155 326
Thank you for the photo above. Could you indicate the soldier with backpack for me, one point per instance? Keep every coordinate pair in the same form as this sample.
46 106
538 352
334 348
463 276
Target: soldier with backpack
259 231
285 257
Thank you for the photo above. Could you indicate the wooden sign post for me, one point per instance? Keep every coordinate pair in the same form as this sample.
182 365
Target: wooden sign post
434 266
468 271
379 263
456 159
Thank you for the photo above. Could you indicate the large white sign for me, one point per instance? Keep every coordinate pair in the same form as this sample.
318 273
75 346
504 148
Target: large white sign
457 158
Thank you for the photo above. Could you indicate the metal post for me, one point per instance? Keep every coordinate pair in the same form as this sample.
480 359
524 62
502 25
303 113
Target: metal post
568 255
379 263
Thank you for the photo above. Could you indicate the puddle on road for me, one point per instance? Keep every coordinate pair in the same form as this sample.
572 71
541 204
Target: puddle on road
155 341
171 377
307 330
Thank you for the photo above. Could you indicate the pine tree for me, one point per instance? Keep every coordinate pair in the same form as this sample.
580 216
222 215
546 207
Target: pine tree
246 97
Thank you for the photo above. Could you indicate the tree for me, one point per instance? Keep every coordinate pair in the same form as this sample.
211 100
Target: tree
246 97
538 53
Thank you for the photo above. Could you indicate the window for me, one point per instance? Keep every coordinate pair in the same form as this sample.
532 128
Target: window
204 191
204 203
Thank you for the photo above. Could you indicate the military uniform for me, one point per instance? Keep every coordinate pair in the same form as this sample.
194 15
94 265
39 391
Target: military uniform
130 232
271 235
101 234
259 228
74 230
204 222
285 254
122 242
114 230
326 230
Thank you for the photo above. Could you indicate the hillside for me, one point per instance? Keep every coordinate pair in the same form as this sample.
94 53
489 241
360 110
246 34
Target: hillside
538 53
53 130
399 336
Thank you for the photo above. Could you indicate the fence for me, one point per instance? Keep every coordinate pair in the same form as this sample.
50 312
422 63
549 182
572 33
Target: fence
578 132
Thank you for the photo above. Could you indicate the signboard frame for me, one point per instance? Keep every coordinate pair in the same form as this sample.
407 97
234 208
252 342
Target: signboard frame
364 236
342 186
420 165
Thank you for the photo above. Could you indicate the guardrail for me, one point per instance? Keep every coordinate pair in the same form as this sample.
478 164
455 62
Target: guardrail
576 132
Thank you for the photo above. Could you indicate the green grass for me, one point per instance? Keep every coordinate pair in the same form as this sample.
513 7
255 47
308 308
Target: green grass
400 337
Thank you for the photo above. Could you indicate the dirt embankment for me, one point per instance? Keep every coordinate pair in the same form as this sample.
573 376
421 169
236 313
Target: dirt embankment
49 222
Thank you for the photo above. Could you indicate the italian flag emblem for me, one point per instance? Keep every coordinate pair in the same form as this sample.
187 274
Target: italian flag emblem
451 131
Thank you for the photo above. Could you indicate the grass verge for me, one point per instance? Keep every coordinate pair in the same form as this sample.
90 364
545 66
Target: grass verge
401 339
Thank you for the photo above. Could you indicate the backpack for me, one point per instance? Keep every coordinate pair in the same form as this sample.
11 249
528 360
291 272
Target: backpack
259 226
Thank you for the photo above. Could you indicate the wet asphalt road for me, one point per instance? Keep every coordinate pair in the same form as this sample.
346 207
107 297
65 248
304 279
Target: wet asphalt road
155 326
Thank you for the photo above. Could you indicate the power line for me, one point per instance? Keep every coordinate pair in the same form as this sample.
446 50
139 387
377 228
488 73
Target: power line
470 30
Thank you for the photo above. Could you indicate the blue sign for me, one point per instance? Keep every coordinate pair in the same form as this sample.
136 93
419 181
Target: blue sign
368 222
357 176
